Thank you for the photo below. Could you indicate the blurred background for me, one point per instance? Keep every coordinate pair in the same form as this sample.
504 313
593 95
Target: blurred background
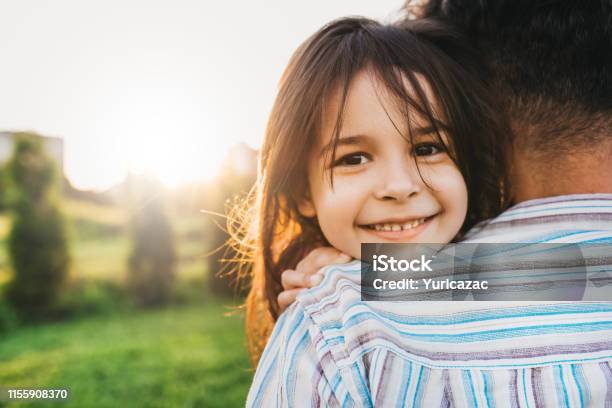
127 129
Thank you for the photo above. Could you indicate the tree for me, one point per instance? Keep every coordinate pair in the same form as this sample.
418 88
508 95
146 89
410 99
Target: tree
153 257
38 243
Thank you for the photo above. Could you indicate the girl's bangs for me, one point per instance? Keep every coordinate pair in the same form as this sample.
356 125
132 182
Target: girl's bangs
413 93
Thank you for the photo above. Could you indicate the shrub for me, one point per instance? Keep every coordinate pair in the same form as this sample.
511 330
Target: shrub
38 244
8 319
153 258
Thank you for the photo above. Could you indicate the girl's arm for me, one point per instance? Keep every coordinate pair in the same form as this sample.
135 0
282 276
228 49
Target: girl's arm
308 273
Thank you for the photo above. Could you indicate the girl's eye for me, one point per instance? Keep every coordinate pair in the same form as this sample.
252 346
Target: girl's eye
427 149
353 159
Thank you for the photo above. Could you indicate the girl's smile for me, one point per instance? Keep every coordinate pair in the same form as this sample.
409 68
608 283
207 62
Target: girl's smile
398 229
387 187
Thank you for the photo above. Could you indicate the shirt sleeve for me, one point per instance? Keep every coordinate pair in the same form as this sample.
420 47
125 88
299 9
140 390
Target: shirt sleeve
296 367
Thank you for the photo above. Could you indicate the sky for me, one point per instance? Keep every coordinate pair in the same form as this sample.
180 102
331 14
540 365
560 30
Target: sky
164 87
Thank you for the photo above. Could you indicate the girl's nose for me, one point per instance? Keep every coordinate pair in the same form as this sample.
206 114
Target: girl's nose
399 182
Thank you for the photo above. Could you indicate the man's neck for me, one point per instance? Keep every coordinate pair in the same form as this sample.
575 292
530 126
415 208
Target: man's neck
579 175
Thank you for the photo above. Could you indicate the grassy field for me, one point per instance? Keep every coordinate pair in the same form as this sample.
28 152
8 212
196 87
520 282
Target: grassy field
189 355
100 243
181 357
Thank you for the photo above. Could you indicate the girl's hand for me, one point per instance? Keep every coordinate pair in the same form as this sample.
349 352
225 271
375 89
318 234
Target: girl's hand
308 273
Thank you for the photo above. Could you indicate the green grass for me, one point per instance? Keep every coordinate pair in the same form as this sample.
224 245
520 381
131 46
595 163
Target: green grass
184 356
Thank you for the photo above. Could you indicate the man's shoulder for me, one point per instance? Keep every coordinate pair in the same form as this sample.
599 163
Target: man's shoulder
344 330
568 218
336 316
347 327
339 289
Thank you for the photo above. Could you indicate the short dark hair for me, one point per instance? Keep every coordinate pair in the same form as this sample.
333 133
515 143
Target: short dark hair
551 60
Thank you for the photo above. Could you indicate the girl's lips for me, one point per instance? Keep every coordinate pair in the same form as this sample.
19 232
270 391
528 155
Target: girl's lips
401 235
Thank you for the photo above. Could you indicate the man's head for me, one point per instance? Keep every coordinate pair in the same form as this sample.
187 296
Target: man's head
551 61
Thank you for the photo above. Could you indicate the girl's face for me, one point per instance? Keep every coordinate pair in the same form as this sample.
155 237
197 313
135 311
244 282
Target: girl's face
378 195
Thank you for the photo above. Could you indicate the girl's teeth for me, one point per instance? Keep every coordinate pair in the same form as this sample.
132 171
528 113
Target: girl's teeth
399 227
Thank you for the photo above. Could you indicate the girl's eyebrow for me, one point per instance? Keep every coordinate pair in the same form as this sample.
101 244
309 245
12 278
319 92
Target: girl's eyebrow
344 141
427 130
423 131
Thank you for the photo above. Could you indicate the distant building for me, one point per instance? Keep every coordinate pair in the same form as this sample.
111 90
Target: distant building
53 145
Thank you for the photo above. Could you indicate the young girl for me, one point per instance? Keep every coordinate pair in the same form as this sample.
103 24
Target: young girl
379 133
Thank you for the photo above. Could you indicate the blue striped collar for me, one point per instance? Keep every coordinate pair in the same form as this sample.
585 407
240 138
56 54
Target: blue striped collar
569 199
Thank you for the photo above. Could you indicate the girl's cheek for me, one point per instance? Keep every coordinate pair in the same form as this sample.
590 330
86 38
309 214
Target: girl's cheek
444 174
448 183
457 193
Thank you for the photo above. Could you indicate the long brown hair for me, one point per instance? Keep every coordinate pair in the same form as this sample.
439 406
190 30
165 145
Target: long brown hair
274 236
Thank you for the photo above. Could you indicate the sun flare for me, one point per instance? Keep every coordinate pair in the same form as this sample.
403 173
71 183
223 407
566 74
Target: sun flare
162 135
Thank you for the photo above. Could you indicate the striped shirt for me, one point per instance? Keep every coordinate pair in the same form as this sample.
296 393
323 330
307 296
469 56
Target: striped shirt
332 349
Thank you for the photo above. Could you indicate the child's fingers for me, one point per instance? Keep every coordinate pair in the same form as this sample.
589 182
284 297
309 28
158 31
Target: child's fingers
306 273
291 279
287 297
317 259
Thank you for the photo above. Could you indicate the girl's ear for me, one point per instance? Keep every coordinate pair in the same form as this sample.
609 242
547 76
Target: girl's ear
306 207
